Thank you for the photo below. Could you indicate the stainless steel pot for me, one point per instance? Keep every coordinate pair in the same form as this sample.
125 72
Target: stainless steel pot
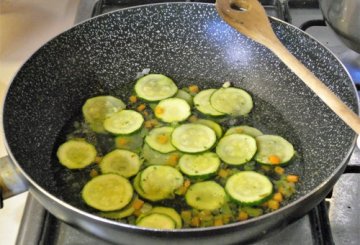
343 16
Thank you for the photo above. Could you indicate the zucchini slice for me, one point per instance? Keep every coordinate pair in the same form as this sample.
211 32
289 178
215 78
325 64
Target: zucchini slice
273 150
236 149
156 221
213 125
122 162
153 157
172 213
232 101
76 154
244 129
207 195
249 188
182 94
159 139
132 142
202 103
159 182
97 109
172 110
155 87
123 122
201 166
120 214
193 138
107 192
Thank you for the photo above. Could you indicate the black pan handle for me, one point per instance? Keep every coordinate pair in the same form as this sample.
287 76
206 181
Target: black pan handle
12 182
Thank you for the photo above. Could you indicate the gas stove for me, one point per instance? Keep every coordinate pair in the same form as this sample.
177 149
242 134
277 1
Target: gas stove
335 220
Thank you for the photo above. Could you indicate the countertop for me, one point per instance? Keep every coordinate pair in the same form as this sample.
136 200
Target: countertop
25 25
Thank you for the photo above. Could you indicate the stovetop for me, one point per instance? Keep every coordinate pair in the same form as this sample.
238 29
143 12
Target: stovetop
335 220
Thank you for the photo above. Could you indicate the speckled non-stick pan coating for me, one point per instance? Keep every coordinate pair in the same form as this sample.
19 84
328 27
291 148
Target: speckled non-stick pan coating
191 44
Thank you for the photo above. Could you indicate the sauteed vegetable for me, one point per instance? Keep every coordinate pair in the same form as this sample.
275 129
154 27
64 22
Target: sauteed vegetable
172 165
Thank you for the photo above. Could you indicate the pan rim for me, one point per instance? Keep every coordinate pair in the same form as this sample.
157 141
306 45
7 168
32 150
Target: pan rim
74 209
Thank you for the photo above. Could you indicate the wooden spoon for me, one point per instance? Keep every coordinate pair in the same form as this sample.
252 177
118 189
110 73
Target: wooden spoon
250 19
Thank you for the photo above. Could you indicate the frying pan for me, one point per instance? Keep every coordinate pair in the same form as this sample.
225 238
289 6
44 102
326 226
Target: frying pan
190 43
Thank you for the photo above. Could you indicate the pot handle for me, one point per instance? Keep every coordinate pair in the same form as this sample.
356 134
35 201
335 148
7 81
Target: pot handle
12 182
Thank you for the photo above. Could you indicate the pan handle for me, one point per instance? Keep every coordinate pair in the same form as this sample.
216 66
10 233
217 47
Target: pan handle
12 182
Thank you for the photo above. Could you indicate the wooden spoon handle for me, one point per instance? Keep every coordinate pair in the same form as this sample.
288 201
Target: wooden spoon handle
319 88
250 19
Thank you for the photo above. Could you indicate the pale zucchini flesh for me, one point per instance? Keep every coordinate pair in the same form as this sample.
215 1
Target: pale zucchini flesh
202 165
160 182
249 187
155 87
202 103
193 138
244 129
107 192
97 109
76 154
206 195
159 139
124 122
172 110
156 221
122 162
236 149
232 101
273 145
